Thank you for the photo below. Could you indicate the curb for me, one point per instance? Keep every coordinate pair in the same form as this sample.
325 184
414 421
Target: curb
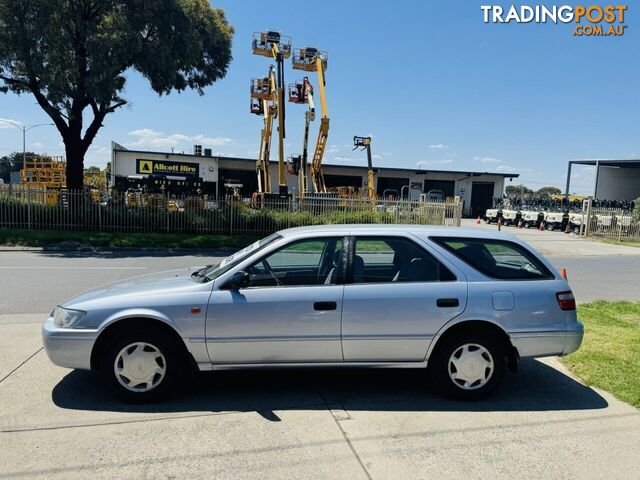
86 249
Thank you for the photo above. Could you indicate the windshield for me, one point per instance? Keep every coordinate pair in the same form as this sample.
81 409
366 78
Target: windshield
231 261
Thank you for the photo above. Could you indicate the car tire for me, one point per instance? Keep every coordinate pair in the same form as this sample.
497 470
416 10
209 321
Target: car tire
151 359
484 353
550 227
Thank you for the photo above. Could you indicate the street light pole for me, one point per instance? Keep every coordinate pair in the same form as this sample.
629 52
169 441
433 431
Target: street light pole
25 129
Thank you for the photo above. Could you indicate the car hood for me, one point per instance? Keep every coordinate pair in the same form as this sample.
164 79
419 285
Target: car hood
171 282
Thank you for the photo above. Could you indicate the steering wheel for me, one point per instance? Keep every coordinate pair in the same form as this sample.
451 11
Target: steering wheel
267 267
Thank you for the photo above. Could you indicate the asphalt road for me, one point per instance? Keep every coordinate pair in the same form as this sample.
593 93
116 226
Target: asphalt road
34 282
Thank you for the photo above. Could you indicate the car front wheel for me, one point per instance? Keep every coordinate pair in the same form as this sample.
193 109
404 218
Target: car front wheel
141 366
468 366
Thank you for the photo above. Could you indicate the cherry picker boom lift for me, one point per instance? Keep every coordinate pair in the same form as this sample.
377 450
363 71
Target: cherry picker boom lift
272 44
365 143
302 92
311 59
263 97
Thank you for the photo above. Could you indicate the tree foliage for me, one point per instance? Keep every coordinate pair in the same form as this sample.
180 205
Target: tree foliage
72 56
549 191
518 190
12 163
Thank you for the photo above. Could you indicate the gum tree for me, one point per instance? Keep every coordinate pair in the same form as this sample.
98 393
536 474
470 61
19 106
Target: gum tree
73 57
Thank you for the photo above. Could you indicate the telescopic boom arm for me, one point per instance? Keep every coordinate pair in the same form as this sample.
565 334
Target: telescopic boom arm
311 59
273 44
365 143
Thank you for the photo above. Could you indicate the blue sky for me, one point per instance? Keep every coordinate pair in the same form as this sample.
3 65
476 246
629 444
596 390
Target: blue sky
432 84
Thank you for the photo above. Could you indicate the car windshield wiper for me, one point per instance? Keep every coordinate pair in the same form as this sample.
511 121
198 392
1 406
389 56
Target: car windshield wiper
200 272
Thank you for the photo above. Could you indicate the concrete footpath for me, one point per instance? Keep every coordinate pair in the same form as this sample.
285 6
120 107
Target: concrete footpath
558 243
541 423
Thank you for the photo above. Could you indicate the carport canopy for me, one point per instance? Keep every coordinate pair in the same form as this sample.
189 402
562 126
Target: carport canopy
615 179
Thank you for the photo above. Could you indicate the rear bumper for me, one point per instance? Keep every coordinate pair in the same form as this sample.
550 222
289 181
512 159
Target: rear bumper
575 334
68 347
548 343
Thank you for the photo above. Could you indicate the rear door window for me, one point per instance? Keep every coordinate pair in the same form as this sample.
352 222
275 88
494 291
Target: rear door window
395 260
499 259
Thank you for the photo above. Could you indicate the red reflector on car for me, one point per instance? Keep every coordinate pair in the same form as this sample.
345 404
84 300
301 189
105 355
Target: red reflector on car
566 300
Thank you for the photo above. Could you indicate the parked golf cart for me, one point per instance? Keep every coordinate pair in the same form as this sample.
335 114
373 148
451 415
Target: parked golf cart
576 220
532 219
553 220
556 220
623 222
492 215
511 217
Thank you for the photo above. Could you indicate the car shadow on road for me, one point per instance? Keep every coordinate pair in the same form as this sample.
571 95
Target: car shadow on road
537 387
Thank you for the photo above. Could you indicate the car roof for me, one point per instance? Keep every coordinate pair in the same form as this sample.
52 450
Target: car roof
389 229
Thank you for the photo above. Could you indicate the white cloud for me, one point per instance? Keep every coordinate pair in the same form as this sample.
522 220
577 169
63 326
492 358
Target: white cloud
37 144
505 169
97 155
438 146
487 160
147 137
430 163
375 156
3 123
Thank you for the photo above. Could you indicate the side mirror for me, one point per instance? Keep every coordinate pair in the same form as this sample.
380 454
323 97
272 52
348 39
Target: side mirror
238 280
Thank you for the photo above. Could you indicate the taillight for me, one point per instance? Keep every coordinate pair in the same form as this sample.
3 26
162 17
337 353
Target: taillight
566 300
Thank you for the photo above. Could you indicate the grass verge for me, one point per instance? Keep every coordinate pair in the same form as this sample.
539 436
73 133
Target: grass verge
609 357
45 238
616 242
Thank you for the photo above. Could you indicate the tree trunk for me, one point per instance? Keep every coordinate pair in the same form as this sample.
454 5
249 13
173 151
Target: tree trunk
75 161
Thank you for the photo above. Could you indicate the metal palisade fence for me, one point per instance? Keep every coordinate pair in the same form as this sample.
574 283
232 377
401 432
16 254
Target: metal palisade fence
612 223
39 208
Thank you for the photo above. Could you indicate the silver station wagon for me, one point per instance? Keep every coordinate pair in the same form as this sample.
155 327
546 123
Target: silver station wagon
462 304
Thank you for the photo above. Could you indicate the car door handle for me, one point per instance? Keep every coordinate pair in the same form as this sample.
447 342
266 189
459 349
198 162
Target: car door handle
325 305
447 302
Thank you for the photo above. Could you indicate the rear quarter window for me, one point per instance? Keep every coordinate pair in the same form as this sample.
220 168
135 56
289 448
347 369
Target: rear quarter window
499 259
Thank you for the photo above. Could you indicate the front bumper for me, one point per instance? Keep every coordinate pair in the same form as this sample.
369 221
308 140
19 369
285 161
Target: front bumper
68 347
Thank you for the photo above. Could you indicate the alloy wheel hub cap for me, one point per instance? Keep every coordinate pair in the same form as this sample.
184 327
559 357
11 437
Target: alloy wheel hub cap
470 366
140 367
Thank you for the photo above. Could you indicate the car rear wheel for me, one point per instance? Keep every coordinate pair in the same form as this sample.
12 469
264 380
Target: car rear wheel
468 366
551 227
141 366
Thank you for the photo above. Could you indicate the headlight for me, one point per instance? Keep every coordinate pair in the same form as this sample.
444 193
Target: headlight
67 318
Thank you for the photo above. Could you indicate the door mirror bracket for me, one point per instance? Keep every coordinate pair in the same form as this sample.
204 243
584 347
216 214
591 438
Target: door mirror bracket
238 280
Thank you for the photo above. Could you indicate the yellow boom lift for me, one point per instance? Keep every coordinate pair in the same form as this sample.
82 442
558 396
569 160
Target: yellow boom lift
277 46
365 144
302 92
311 59
263 102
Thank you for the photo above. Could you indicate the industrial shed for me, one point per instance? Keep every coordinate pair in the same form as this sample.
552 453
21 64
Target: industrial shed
210 174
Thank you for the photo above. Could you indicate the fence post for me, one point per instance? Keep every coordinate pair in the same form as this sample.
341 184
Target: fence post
587 226
621 222
29 210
